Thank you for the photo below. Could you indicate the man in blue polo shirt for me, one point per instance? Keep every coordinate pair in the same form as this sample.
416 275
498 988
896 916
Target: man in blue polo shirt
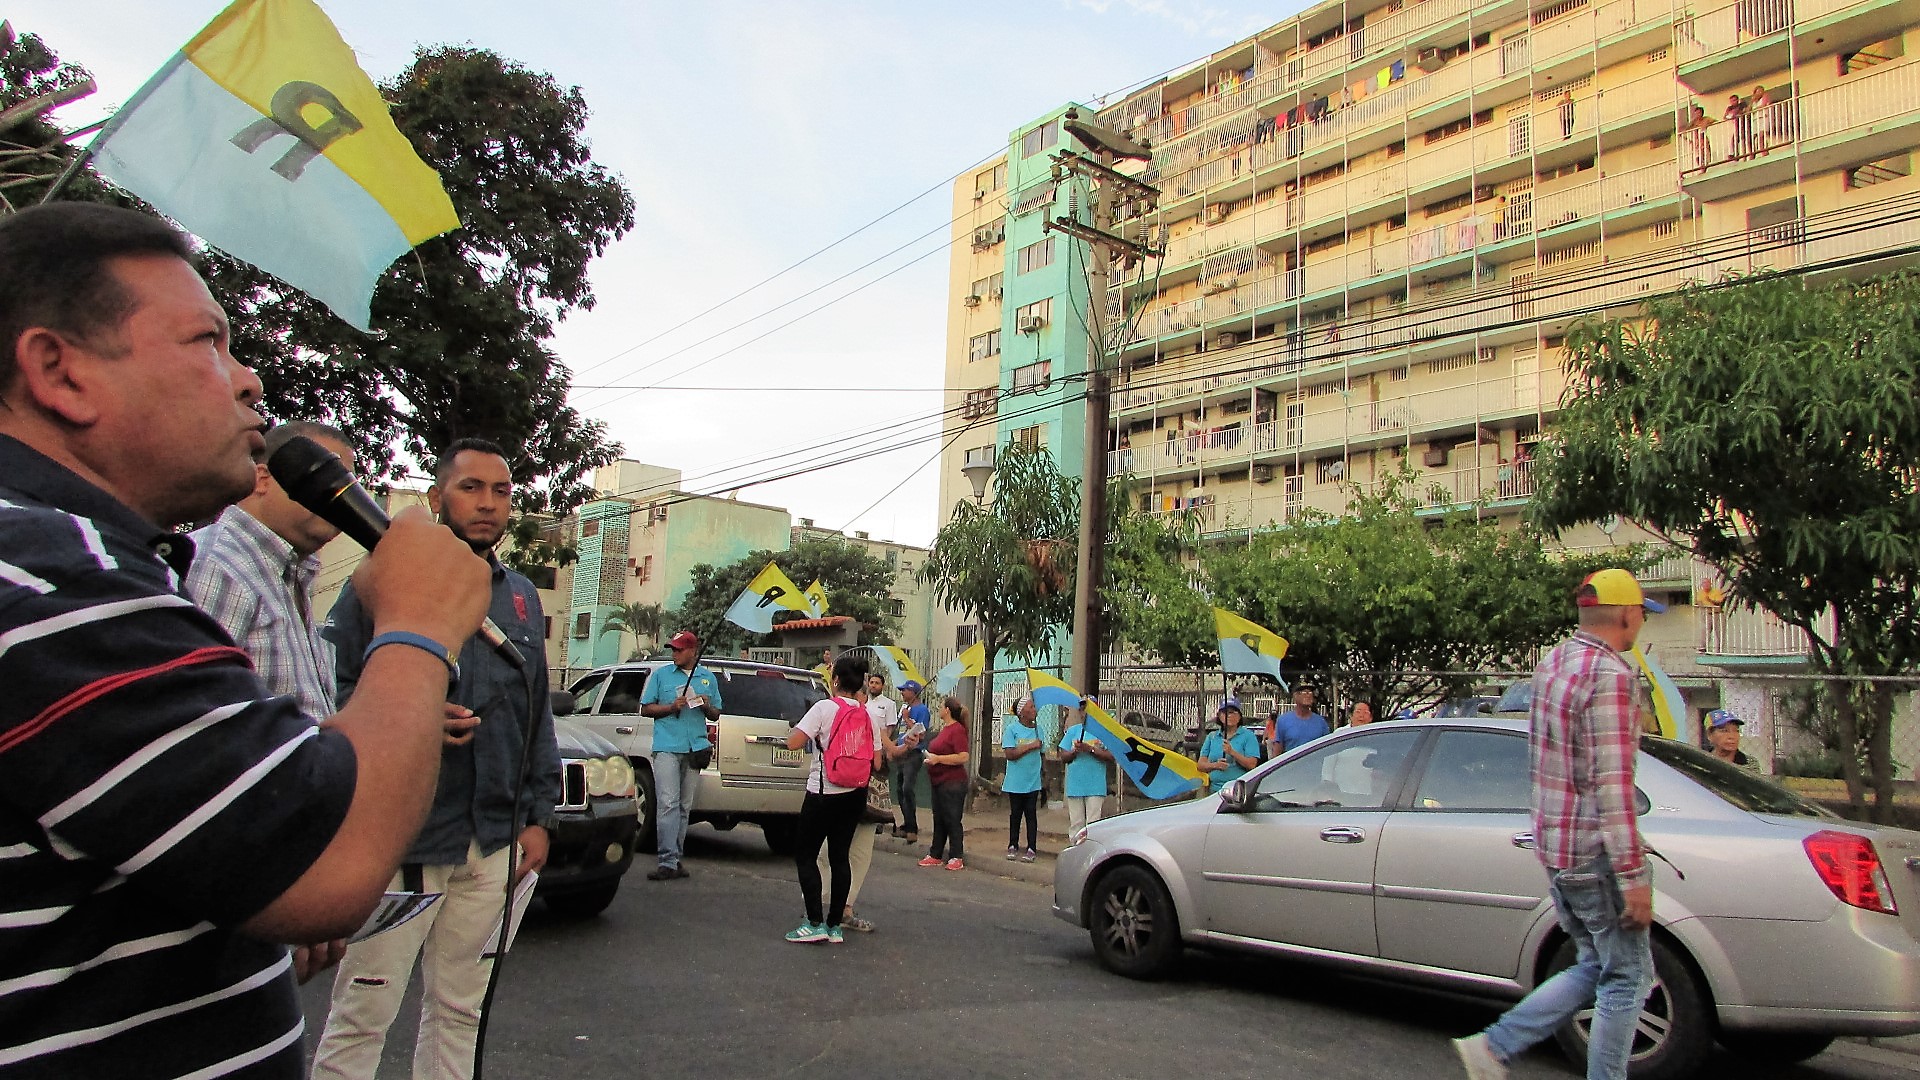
680 699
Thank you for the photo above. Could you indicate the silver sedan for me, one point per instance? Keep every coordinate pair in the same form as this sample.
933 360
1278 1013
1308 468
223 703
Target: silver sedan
1404 850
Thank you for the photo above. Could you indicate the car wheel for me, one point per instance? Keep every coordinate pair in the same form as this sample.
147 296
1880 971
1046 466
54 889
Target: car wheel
1134 929
1783 1047
585 902
648 840
780 834
1675 1032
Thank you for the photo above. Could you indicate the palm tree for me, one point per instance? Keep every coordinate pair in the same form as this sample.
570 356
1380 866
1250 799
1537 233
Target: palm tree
641 620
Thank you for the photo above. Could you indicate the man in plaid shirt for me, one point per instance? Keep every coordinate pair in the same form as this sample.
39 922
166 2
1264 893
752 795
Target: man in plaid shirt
1585 732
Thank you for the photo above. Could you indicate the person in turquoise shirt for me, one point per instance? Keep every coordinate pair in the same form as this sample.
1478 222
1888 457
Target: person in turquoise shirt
680 699
1229 752
1020 738
1086 757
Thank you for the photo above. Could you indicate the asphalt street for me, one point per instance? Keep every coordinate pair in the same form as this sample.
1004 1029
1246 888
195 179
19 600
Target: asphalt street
968 975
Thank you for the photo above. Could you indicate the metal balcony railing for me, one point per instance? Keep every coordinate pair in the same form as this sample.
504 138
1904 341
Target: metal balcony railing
1749 632
1730 26
1882 93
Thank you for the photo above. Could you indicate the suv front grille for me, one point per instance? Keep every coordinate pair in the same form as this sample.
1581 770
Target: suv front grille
573 786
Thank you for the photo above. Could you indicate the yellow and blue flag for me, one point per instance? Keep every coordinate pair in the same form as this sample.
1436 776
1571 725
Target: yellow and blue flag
265 139
1247 648
817 598
1668 705
769 591
898 664
971 662
1159 773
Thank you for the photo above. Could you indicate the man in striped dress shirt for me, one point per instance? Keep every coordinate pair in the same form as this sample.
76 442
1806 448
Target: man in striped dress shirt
1584 736
167 824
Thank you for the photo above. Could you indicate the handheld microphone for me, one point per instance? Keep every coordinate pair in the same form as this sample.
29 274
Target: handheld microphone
315 478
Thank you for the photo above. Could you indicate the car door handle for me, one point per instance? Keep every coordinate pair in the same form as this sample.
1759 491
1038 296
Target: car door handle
623 730
1523 840
1343 834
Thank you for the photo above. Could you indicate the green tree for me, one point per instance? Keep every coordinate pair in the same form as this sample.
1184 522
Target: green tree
643 621
35 149
1008 563
1774 429
1381 599
461 323
856 583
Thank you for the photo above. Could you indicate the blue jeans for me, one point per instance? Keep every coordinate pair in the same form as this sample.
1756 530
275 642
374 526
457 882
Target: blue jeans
674 786
1612 973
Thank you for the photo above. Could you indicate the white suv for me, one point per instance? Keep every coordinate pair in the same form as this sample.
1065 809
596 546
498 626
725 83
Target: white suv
753 776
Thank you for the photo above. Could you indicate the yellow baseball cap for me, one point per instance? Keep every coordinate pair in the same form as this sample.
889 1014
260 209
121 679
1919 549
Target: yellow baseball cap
1613 588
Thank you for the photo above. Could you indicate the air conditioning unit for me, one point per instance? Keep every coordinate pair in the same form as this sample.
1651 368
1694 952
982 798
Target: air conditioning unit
1226 341
971 301
1429 59
1436 455
1263 474
998 293
1216 213
1029 324
979 196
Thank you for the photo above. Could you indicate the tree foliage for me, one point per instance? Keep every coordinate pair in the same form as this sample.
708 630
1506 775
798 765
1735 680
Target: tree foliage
34 151
1775 430
1379 599
643 621
857 585
461 323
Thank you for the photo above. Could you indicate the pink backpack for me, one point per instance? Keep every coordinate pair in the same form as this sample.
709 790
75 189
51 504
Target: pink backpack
848 758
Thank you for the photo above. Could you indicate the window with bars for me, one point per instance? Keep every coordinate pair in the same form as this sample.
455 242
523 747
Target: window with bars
1031 437
1032 377
980 403
1330 470
981 346
1036 256
987 288
1039 309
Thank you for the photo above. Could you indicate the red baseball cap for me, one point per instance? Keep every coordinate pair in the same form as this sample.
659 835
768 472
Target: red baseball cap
685 639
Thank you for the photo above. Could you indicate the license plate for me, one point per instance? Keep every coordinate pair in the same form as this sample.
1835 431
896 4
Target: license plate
788 758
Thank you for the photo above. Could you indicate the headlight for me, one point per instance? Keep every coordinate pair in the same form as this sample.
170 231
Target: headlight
596 776
620 777
1079 835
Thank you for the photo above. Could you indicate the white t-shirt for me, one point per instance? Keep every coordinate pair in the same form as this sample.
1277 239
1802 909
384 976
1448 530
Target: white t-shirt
885 710
818 724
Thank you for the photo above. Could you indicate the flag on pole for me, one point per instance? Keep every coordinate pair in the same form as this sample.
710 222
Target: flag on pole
817 598
898 664
971 661
1159 773
265 139
1247 648
1668 705
770 590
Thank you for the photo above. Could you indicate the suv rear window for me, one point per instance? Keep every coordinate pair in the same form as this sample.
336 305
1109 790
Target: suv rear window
1748 791
770 697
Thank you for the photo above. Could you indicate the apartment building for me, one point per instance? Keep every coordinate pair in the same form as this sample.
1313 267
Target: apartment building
1380 217
908 599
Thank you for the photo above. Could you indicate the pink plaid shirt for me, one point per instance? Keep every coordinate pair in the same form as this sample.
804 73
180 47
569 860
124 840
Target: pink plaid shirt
1585 734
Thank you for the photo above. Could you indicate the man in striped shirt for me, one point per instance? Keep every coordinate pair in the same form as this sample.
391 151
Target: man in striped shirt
1585 734
254 569
167 824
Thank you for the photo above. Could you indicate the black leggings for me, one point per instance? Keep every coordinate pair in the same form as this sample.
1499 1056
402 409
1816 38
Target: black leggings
1025 805
949 836
829 818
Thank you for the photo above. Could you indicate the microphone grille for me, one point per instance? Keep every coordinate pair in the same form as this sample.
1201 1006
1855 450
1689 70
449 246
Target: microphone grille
308 471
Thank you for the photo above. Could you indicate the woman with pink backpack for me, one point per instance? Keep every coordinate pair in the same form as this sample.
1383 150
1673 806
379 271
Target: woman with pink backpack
845 742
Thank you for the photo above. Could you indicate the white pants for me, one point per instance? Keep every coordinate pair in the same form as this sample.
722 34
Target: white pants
1084 809
373 978
859 858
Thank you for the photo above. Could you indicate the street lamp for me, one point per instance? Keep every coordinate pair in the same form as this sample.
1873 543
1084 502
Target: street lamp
977 471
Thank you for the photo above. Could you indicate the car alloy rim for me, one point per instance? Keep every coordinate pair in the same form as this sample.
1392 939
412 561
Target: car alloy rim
1650 1031
1129 920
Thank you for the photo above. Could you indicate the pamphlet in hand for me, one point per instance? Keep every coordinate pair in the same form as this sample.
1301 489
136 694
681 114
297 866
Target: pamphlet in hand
522 896
916 728
394 909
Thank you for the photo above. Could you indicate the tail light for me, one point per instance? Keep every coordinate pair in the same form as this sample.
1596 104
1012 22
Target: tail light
1851 868
713 738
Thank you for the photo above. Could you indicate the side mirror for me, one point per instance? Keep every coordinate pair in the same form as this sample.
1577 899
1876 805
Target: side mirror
561 702
1237 797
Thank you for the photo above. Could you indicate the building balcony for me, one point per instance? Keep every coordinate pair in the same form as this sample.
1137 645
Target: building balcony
1672 566
1734 45
1867 117
1749 638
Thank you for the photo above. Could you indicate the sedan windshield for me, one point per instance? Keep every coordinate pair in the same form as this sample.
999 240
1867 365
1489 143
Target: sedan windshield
1748 791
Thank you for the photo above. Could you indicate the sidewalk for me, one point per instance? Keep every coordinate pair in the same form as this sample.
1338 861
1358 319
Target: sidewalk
986 840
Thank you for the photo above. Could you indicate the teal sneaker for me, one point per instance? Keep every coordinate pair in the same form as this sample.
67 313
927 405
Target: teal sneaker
835 937
807 933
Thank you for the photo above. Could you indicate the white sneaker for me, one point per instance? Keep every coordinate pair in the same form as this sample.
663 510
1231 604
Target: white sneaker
1478 1057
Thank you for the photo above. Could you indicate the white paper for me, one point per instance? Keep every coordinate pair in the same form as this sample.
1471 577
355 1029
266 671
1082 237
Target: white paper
522 896
394 909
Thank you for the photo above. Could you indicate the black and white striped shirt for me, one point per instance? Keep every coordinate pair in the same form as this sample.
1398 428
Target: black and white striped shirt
153 796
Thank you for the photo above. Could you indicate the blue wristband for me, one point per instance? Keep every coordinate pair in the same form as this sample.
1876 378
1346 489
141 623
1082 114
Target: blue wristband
418 641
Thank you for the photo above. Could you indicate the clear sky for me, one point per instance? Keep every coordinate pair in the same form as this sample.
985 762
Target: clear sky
752 134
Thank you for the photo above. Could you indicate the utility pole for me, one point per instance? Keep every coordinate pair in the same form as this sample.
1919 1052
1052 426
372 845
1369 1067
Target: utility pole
1102 243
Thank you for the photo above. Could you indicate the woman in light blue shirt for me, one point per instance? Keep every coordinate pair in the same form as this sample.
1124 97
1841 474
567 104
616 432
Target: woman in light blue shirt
1229 752
1020 740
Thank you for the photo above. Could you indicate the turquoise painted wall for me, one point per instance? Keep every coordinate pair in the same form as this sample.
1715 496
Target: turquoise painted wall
717 531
